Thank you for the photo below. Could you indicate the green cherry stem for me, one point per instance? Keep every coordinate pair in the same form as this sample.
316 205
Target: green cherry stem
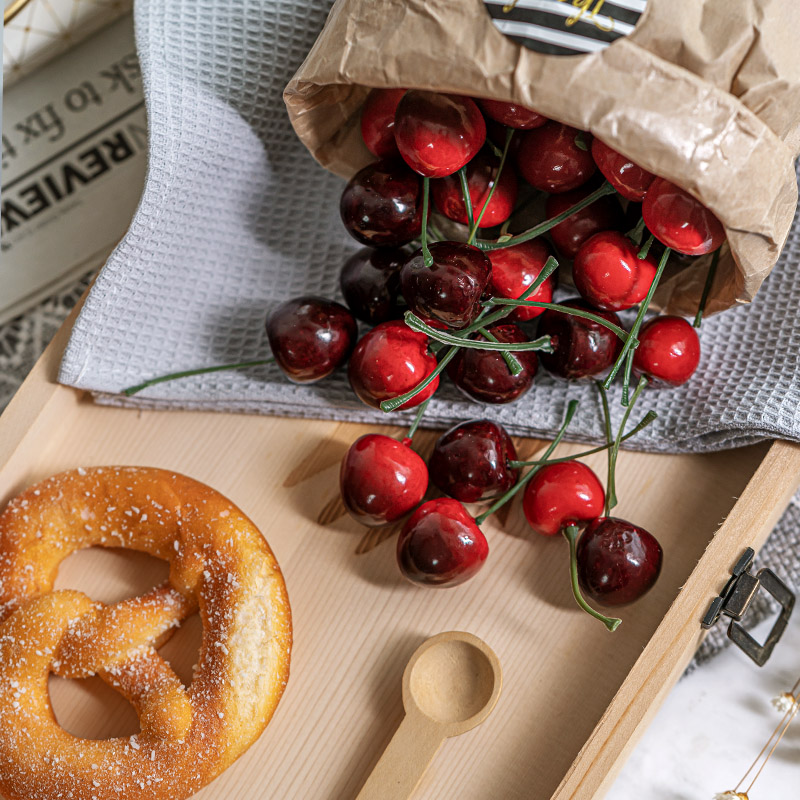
635 233
572 407
571 535
712 271
511 360
462 176
418 418
645 249
611 497
395 402
426 253
614 451
473 227
637 324
131 390
545 226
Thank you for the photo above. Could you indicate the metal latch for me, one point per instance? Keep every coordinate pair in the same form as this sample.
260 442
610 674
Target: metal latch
735 599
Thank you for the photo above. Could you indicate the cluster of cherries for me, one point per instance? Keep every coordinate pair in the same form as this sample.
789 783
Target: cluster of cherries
467 301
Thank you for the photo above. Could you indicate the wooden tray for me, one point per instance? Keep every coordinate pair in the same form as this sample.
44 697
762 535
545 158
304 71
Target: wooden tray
575 697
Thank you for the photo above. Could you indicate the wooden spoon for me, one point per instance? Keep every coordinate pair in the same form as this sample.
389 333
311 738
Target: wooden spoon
450 685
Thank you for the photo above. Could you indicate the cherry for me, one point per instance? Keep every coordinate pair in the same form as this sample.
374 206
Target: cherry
390 360
514 269
582 347
450 290
381 479
617 561
668 351
496 134
630 180
310 337
440 544
377 122
563 494
555 158
679 221
481 172
609 274
603 215
370 281
438 133
511 114
470 461
382 205
483 375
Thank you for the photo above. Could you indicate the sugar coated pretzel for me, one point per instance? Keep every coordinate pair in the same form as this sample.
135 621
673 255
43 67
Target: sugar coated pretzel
220 565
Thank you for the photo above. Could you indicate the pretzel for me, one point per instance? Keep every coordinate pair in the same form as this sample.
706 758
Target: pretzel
219 565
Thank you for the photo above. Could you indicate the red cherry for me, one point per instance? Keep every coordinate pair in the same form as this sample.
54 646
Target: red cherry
438 133
668 351
377 121
511 114
679 221
440 545
555 158
582 348
310 337
564 494
470 461
514 269
450 290
481 172
604 214
381 205
483 375
617 561
381 479
390 360
370 283
630 180
609 274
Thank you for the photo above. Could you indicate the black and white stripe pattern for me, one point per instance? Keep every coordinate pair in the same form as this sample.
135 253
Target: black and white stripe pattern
565 27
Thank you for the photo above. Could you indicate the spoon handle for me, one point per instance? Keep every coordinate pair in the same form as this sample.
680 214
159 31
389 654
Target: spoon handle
405 760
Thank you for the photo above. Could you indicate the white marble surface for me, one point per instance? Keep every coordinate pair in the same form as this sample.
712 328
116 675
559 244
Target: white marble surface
712 726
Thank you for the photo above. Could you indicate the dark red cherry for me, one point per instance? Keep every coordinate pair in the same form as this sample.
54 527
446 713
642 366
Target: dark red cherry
668 351
390 360
675 218
381 479
470 461
617 561
438 133
381 205
370 281
377 122
582 348
630 180
481 172
440 545
450 290
609 274
556 158
564 494
511 114
496 134
484 376
310 337
514 269
604 214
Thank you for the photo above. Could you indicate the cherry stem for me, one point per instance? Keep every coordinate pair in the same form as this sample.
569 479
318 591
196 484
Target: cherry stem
395 402
611 494
645 249
462 176
511 360
712 271
418 418
545 226
571 535
650 417
131 390
611 498
575 312
637 324
473 227
636 232
572 407
426 253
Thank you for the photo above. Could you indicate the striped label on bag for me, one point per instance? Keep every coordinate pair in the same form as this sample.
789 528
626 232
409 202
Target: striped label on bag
561 27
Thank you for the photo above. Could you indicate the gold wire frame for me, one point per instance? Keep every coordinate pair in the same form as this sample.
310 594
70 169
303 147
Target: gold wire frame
12 9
